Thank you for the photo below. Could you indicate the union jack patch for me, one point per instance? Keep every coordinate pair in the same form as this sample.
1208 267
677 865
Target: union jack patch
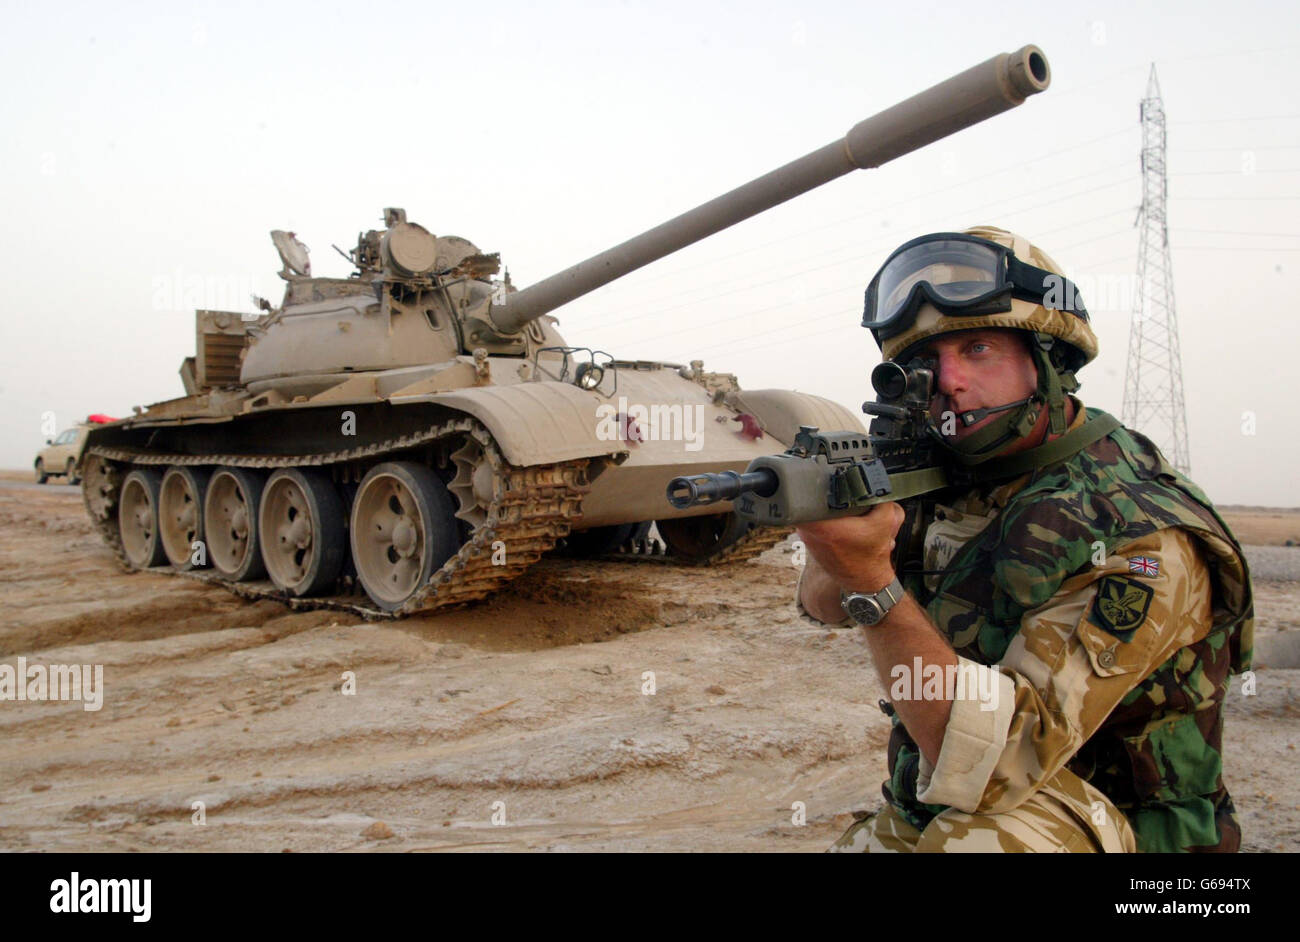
1144 566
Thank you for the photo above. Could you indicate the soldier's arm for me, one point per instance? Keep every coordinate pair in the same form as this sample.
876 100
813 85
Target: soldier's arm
1073 661
853 553
818 595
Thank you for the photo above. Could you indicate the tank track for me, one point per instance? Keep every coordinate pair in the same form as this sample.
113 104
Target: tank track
531 508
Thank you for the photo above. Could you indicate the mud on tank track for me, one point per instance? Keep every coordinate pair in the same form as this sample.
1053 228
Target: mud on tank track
531 509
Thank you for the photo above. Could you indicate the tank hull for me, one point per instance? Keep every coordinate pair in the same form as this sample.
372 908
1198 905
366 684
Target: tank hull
539 459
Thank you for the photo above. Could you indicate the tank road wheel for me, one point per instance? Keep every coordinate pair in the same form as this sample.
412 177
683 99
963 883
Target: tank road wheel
71 472
301 523
180 515
137 519
230 524
41 476
403 529
697 540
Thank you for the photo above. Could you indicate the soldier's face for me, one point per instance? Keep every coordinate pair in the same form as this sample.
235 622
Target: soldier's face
978 369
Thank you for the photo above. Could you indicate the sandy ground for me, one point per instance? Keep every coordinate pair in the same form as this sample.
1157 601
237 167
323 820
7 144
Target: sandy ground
530 708
1264 526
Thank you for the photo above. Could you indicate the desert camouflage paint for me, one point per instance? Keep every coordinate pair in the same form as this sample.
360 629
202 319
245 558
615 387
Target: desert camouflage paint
1119 677
1065 814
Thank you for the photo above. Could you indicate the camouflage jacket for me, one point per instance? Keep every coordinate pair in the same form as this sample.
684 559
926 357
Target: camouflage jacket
1114 603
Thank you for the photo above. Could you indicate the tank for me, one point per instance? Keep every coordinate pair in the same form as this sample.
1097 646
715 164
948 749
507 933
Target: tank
418 434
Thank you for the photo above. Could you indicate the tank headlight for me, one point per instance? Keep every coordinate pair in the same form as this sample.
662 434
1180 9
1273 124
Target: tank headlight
588 375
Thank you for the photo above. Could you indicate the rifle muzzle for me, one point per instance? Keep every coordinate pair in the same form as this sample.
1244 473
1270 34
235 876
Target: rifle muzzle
698 490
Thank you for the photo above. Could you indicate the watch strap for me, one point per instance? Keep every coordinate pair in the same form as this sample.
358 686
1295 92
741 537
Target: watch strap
885 599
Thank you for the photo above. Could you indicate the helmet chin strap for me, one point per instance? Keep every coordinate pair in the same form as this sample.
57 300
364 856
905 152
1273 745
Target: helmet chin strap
985 444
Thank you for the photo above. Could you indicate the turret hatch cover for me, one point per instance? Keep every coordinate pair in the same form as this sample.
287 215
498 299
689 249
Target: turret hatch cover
410 248
294 254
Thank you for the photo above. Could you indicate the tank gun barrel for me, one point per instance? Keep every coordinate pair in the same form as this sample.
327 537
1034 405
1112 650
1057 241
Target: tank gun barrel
968 98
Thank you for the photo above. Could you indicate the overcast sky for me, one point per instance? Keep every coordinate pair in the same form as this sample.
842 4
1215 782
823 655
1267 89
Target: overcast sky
149 149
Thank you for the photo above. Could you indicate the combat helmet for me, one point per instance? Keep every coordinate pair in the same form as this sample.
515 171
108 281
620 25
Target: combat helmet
985 277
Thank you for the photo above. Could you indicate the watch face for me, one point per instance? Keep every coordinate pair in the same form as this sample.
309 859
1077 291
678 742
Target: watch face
864 610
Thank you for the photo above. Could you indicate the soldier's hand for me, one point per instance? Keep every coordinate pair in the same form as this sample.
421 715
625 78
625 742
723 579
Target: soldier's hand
855 551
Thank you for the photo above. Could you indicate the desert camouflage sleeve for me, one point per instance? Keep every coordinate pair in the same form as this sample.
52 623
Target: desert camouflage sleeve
1073 661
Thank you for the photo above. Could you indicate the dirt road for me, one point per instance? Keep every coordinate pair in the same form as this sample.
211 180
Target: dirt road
525 723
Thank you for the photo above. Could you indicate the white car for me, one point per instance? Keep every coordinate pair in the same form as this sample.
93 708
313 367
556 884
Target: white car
61 455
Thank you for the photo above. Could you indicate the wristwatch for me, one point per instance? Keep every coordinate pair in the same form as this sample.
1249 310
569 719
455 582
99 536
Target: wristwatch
871 609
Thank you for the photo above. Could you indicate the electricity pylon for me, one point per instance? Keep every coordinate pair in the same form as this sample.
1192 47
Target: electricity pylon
1153 384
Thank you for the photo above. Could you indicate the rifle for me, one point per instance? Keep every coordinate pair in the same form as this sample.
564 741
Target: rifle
837 474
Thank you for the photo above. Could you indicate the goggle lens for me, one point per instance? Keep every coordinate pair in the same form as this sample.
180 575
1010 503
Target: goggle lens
954 271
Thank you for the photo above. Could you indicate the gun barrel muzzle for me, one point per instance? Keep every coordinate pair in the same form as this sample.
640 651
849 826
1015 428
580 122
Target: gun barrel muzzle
966 99
697 490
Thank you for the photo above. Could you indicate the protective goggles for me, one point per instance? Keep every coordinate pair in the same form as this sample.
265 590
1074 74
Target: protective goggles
962 276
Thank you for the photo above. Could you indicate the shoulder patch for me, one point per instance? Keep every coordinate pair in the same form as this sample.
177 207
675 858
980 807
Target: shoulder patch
1121 606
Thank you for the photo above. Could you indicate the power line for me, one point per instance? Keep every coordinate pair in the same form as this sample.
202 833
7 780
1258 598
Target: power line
1285 235
1272 117
802 322
1234 173
1068 196
1273 199
845 287
1123 73
748 314
1237 248
1229 55
1061 249
859 252
1206 150
774 343
1083 222
1073 148
1126 257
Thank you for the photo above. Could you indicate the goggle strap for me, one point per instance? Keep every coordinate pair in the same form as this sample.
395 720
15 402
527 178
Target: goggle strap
1031 283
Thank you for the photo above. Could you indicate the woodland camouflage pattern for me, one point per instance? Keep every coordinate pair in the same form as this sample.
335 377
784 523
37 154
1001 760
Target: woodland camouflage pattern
1123 688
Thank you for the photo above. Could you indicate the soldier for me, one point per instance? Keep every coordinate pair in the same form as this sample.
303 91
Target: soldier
1057 640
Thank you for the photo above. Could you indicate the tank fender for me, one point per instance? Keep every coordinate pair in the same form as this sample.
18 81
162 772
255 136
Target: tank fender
782 411
534 423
